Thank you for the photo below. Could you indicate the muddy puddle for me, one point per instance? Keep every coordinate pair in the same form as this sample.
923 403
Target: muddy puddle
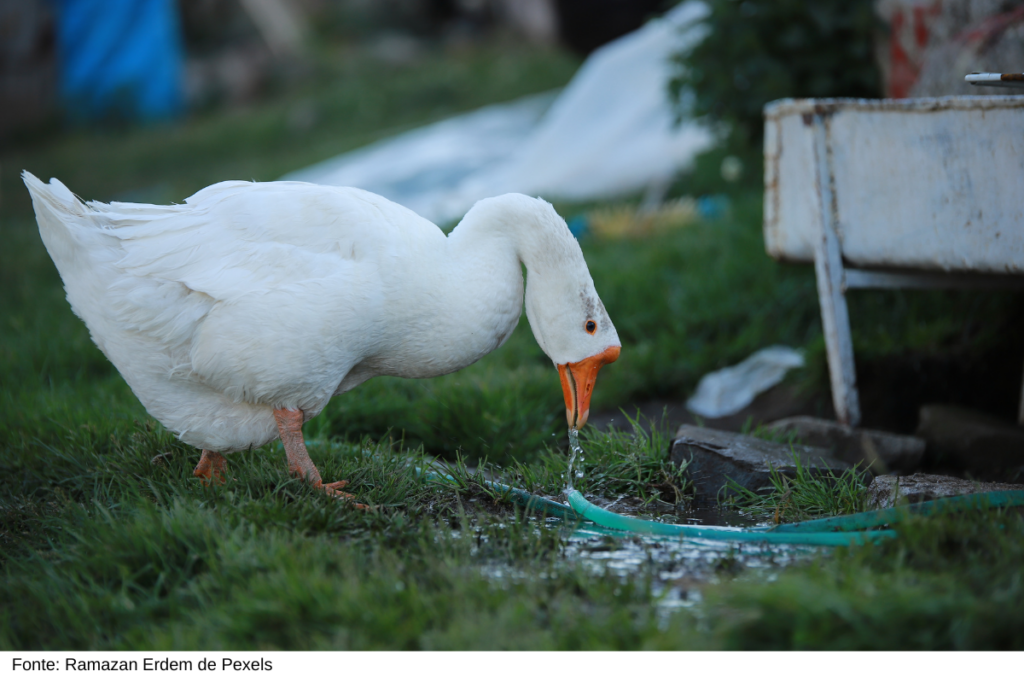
678 568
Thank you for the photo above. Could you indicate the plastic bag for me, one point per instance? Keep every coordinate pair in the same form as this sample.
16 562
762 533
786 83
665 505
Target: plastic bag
730 390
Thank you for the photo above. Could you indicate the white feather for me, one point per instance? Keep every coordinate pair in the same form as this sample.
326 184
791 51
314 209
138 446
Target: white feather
255 296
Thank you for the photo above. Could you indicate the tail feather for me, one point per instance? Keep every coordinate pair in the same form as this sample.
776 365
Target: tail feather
54 195
58 212
144 325
83 254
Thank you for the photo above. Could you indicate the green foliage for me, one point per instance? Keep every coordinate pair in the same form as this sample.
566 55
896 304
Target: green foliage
617 461
804 495
632 461
949 583
757 51
514 416
197 578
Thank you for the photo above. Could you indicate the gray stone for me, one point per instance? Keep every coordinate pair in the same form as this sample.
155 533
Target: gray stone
715 457
968 441
882 452
889 489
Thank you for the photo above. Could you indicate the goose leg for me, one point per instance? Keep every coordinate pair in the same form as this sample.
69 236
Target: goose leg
211 468
289 425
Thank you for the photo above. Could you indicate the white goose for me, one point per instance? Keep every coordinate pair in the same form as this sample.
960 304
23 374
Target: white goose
235 316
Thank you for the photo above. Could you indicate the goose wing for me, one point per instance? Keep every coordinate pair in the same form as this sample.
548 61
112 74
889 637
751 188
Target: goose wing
234 238
291 272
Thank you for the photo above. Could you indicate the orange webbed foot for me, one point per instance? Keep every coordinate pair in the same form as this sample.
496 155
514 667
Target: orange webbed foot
211 468
289 424
334 489
336 486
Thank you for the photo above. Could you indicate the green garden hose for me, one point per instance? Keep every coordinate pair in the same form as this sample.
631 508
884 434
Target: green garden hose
866 520
534 503
831 531
641 526
520 497
582 508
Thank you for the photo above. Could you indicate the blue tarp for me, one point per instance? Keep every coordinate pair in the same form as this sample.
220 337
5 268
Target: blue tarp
120 58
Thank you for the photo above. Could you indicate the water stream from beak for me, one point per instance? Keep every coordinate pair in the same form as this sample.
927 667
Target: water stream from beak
575 454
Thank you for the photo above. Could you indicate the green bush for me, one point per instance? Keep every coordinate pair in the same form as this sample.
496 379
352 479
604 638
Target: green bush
757 51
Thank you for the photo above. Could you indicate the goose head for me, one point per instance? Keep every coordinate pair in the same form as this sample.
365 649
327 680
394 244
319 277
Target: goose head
573 328
568 319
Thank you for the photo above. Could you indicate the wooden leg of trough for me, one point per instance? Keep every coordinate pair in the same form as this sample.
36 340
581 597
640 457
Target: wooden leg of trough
828 266
835 322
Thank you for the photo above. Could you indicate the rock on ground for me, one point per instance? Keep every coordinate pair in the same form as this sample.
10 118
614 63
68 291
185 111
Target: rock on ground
882 452
715 458
889 489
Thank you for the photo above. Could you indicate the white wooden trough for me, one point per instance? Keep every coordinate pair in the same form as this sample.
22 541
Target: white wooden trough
915 193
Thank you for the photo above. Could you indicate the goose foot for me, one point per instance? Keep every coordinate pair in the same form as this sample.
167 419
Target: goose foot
334 489
289 425
211 468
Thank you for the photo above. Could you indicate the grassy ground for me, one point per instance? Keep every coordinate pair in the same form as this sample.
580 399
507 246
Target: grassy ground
106 541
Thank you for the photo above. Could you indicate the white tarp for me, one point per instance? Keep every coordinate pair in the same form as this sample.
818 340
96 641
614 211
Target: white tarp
609 132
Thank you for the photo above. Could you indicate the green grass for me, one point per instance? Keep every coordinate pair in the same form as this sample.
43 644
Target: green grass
107 541
632 461
953 583
803 496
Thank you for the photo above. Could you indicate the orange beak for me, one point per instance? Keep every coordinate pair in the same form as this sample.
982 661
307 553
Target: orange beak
578 384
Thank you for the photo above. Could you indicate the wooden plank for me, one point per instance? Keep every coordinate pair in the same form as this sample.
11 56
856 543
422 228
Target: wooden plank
828 267
859 278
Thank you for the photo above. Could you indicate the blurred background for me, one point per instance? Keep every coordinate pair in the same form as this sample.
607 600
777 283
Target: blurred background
363 69
161 59
326 76
152 100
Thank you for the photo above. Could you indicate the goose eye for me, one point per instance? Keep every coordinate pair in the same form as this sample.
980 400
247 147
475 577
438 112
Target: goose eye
591 327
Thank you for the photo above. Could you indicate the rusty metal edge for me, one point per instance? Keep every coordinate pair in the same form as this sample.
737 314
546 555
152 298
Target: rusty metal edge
788 106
